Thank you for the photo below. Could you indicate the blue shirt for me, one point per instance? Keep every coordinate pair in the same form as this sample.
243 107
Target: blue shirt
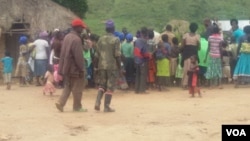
7 64
168 48
141 55
237 34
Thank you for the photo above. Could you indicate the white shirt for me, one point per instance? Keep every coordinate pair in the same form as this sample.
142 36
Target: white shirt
157 37
40 49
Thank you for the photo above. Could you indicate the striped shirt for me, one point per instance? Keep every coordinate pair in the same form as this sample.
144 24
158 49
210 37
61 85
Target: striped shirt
214 42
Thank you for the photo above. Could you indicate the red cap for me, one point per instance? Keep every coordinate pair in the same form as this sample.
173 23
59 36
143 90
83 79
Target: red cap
78 22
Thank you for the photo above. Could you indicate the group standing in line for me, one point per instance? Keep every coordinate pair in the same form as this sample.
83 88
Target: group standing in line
73 59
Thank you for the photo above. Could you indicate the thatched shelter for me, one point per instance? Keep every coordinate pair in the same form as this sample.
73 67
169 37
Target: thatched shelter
19 17
180 27
39 14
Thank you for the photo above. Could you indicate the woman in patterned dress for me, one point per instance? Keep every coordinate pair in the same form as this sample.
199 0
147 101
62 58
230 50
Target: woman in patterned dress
214 69
242 69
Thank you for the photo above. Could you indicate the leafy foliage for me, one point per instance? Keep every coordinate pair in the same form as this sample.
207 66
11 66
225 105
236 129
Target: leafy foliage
157 13
79 7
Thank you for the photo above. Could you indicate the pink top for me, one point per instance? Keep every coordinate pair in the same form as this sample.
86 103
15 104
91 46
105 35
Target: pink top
214 42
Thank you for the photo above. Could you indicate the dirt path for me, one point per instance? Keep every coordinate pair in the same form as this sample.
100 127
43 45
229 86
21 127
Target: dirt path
27 115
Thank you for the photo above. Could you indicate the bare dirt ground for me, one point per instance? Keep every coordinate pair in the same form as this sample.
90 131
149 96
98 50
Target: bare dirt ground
27 115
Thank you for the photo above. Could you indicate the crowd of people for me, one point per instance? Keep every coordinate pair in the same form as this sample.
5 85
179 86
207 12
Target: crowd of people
76 59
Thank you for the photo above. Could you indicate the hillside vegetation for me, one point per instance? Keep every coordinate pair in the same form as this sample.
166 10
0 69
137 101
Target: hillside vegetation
156 13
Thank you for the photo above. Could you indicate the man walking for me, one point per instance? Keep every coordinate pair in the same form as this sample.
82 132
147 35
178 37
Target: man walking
108 54
108 58
71 66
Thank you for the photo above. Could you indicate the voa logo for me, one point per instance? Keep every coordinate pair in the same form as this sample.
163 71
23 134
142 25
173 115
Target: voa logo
236 132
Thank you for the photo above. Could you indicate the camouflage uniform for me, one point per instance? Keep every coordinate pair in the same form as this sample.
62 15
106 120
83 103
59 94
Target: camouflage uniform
108 48
108 53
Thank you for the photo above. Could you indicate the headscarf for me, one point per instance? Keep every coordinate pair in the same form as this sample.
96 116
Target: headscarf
43 34
129 37
23 40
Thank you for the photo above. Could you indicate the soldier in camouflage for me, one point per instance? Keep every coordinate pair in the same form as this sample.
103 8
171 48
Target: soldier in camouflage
108 58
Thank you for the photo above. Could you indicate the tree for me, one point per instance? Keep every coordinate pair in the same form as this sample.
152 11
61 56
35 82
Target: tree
79 7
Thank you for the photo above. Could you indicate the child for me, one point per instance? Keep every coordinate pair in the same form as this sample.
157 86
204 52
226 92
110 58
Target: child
193 76
162 65
179 72
57 77
151 62
49 80
174 60
226 57
121 80
22 65
127 50
233 61
7 69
